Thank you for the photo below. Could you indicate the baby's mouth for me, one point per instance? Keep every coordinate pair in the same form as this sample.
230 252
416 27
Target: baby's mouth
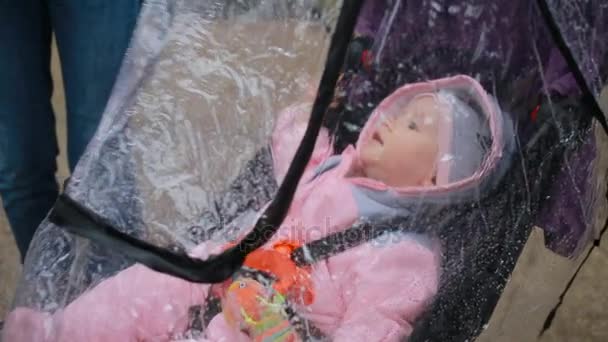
376 137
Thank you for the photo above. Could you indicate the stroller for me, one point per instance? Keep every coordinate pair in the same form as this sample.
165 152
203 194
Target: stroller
182 158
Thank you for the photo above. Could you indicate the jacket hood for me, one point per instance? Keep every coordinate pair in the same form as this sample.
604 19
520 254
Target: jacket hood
472 138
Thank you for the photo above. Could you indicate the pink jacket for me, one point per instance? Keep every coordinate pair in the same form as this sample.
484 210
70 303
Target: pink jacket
372 292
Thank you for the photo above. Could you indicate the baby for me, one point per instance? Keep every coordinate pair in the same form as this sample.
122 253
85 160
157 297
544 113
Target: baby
408 152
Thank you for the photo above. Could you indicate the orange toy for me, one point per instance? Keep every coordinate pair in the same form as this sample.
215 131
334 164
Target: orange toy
292 281
259 309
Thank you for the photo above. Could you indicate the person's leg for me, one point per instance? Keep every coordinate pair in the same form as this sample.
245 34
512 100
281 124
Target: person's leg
92 37
28 146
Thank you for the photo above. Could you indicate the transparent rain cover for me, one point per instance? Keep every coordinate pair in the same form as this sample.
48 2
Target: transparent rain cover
455 128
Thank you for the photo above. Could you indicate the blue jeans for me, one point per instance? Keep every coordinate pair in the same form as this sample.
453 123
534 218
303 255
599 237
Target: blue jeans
92 37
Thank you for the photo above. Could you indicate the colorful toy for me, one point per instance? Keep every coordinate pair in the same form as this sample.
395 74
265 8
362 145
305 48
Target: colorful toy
258 299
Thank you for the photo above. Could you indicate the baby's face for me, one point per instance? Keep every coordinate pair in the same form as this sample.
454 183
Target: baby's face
403 149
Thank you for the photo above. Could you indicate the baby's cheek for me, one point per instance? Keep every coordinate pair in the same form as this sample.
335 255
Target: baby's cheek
371 153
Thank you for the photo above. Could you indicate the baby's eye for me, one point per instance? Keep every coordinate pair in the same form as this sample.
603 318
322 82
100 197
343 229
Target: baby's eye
413 126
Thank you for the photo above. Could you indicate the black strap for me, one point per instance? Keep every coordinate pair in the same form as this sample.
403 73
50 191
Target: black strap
79 220
270 221
339 242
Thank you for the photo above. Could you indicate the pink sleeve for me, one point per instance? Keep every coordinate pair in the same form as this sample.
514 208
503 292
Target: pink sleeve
287 135
386 287
137 304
